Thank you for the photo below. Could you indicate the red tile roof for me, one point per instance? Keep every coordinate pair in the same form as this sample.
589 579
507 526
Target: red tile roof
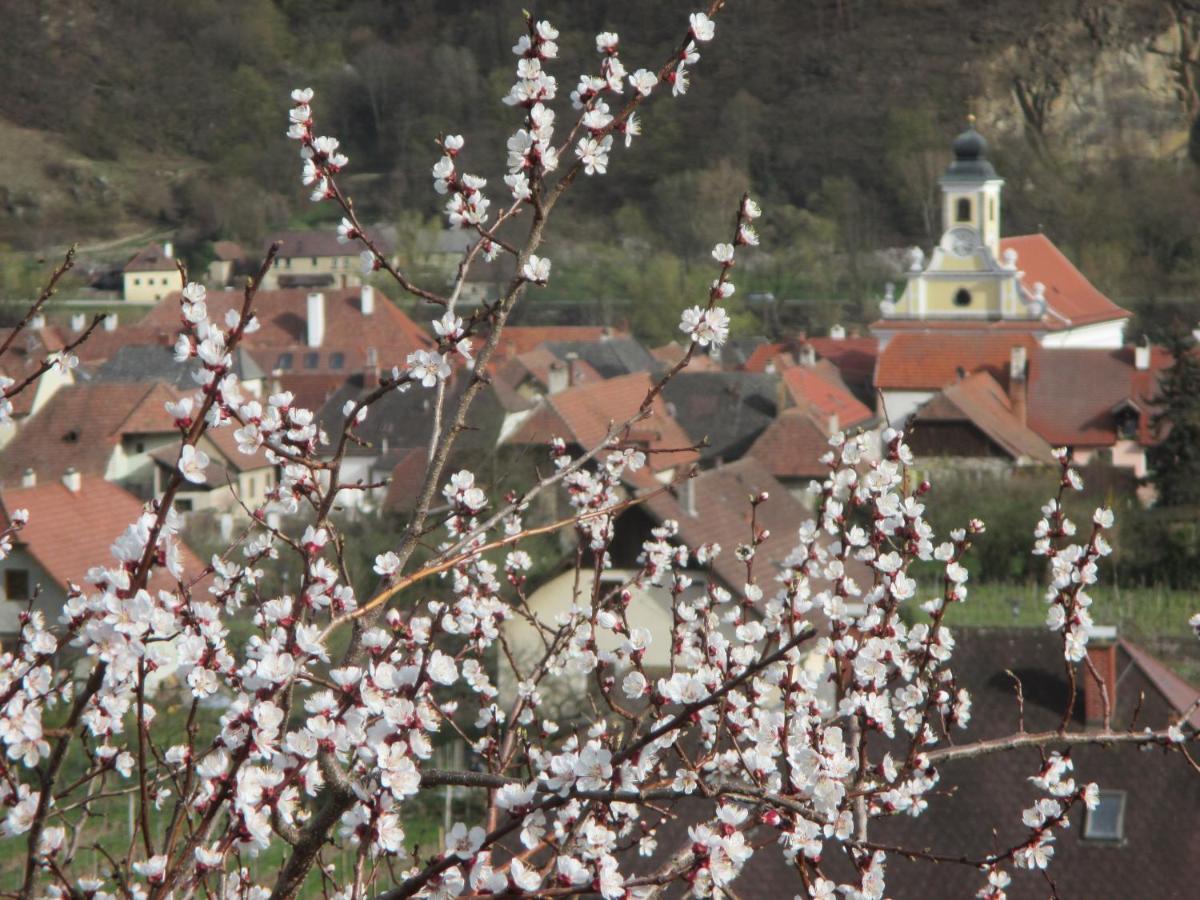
822 392
283 316
978 399
928 361
228 251
1071 298
673 352
80 427
793 445
581 416
518 339
406 479
854 356
1073 393
71 531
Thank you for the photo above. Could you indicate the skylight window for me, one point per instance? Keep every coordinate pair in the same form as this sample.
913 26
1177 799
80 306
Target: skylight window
1107 821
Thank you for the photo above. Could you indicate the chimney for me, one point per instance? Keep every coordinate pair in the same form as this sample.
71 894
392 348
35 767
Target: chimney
1141 355
571 359
316 319
837 333
29 477
687 496
78 320
110 322
834 424
367 300
1018 388
371 369
558 378
72 480
168 250
38 322
808 356
1102 654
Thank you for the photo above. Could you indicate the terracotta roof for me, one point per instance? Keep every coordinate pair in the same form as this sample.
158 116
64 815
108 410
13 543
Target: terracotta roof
538 363
673 352
517 339
793 445
71 531
978 399
853 356
323 242
926 360
151 258
1063 412
1068 293
81 425
103 345
283 316
824 393
581 415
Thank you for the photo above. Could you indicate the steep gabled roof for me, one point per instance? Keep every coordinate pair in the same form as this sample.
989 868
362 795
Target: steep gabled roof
81 425
979 400
70 531
581 416
517 339
730 409
1072 299
151 258
826 394
792 446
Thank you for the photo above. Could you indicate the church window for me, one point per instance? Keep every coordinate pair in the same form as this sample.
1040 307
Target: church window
964 210
962 298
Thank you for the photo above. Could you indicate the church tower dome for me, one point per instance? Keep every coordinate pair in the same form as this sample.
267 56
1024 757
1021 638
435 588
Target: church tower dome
970 157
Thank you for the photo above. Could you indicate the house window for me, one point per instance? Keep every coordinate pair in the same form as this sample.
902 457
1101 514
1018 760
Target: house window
284 362
964 210
137 281
314 261
139 447
1107 821
962 298
312 360
16 584
183 504
337 360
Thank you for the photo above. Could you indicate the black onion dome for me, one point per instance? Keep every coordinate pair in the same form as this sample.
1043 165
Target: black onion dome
970 158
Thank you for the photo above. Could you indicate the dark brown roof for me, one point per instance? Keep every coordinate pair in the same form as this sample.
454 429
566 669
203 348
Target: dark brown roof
323 242
978 399
151 258
80 427
406 479
228 251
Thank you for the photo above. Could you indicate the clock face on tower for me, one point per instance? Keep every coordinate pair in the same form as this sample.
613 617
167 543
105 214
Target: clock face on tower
962 241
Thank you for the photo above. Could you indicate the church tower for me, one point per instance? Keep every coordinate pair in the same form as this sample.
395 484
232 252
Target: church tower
967 278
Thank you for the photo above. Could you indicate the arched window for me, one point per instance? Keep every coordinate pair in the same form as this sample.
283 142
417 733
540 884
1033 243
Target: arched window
964 210
962 298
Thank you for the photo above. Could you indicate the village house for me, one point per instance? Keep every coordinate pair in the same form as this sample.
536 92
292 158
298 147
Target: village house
73 521
235 482
317 260
151 274
104 432
228 259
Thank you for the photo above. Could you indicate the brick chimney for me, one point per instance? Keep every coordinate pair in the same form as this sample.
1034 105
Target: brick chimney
1018 387
1102 654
